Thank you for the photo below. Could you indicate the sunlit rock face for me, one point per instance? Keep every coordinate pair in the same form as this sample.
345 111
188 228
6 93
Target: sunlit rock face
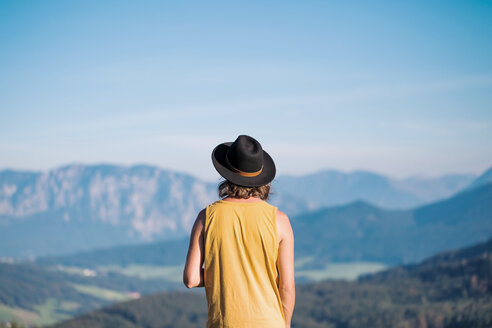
147 202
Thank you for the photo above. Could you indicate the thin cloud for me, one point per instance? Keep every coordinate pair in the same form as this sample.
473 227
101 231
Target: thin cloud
327 101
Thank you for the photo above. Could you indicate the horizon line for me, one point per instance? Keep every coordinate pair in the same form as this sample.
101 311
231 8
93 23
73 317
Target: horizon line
296 175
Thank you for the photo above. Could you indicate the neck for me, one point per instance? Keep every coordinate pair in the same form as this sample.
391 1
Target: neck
243 200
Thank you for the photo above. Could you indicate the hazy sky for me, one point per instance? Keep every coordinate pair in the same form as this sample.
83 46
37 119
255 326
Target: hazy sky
396 88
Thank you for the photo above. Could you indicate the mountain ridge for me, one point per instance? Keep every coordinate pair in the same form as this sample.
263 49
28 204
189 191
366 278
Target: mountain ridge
358 231
142 203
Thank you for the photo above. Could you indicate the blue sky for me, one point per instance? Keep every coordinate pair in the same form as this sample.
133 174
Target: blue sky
392 87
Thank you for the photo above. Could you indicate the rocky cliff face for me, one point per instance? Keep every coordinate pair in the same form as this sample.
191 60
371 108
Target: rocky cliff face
149 200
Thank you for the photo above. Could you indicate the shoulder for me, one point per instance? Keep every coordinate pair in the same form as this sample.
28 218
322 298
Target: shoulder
200 218
282 216
283 225
212 206
201 215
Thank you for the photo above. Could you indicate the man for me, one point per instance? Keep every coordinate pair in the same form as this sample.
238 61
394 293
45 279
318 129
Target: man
245 244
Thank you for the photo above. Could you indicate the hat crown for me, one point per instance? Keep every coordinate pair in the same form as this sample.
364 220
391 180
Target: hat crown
245 154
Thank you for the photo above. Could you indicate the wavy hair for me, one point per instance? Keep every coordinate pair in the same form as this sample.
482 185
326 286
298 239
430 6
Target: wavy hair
229 189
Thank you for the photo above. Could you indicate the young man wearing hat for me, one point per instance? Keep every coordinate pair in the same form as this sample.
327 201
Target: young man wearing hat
245 245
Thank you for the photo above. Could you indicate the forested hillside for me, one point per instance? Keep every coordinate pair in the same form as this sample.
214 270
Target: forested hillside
35 294
450 290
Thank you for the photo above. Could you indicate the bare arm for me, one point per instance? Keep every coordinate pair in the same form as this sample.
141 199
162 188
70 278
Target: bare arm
193 271
285 265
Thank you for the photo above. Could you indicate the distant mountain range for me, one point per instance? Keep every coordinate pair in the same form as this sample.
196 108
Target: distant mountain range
484 178
83 207
362 232
330 188
450 290
357 231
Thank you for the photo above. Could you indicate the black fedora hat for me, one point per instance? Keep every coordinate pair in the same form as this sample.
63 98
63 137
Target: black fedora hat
244 162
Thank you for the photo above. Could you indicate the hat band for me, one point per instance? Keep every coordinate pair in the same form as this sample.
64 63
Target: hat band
244 174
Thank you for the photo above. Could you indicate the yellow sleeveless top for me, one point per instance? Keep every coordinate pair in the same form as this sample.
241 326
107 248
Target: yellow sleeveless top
240 272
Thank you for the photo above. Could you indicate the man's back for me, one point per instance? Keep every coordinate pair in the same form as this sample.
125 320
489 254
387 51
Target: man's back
240 274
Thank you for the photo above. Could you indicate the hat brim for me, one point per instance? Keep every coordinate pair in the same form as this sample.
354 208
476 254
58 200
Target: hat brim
265 177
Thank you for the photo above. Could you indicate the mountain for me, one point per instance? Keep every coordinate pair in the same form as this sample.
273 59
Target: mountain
429 190
454 291
460 262
484 178
77 207
363 232
329 188
355 232
84 207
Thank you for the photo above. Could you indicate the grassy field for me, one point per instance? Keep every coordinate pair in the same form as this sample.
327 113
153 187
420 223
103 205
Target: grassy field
105 294
299 263
169 273
47 313
345 271
8 313
70 270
